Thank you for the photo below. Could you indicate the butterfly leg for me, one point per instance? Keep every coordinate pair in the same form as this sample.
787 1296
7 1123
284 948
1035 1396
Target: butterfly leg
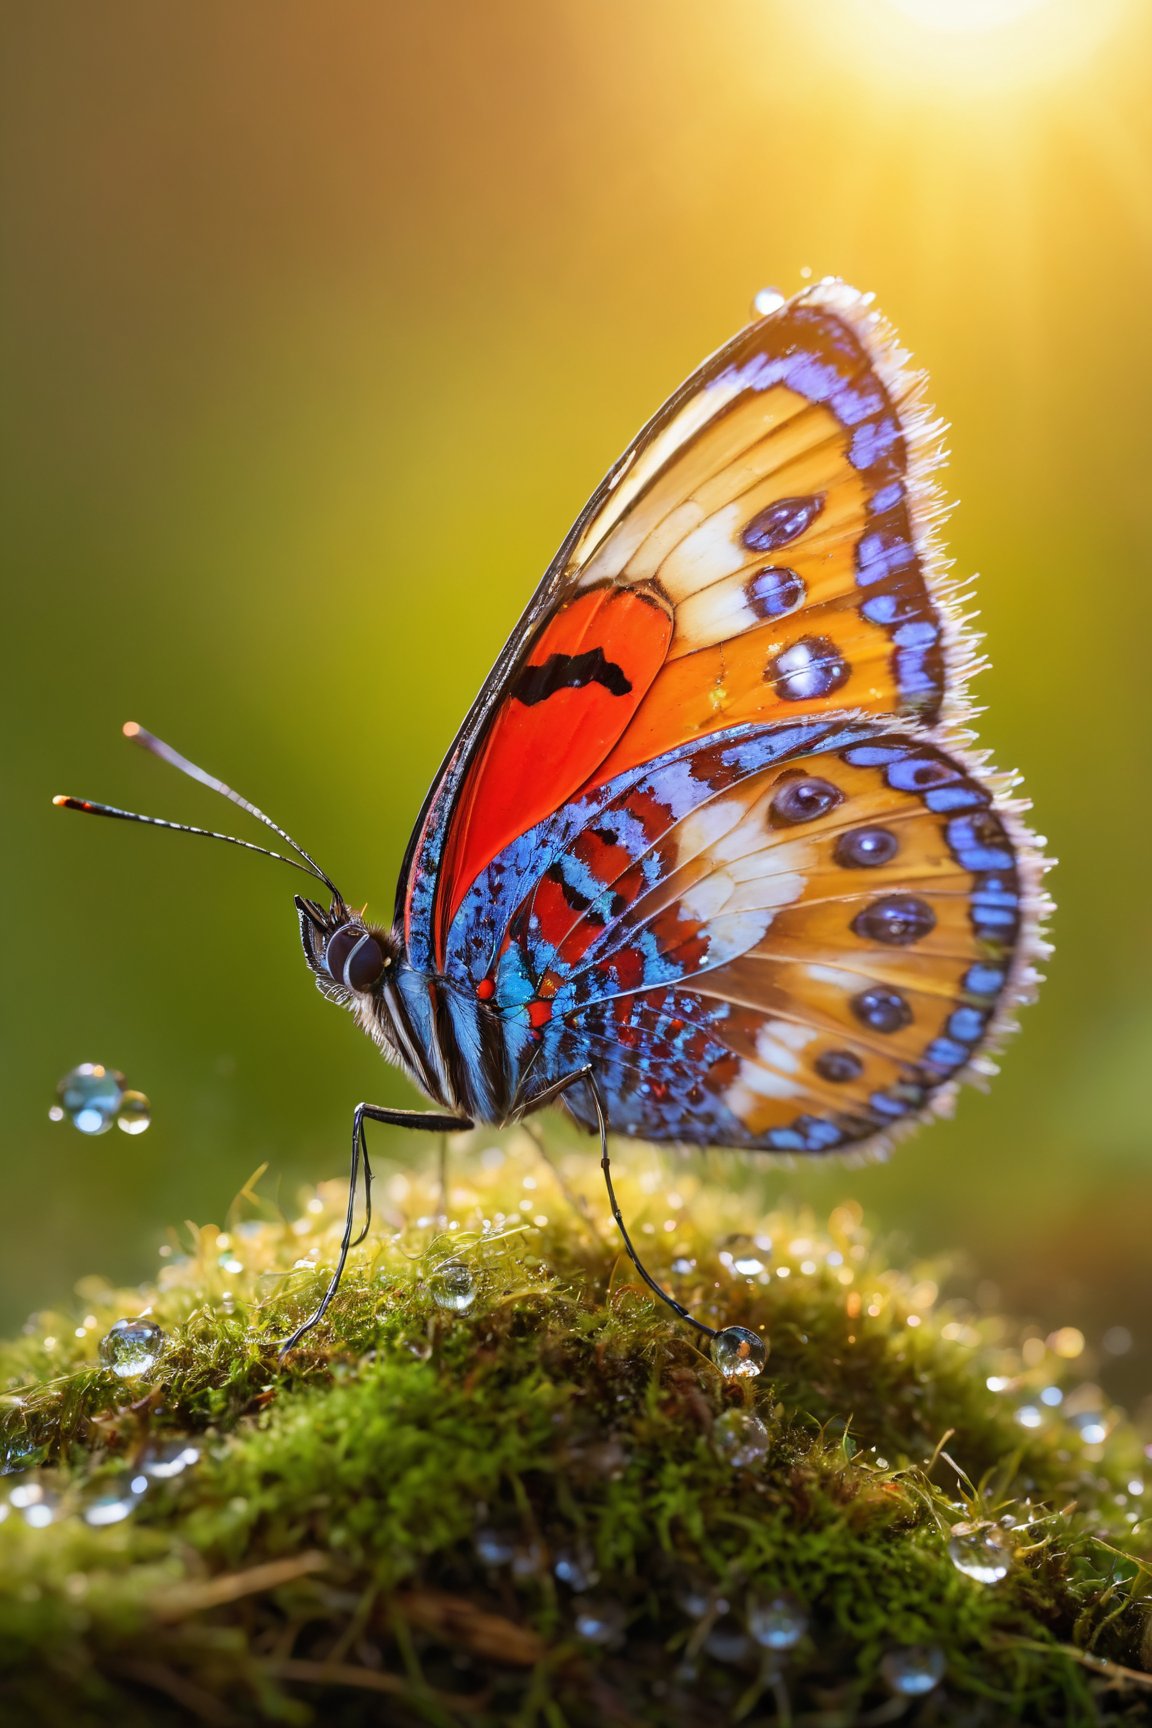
588 1076
433 1122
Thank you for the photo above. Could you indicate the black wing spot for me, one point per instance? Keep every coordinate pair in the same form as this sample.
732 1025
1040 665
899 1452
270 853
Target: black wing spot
570 672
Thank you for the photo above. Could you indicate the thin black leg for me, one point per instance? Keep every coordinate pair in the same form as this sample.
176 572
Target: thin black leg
588 1076
435 1122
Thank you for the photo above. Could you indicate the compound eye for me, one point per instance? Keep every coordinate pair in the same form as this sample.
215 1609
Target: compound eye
355 958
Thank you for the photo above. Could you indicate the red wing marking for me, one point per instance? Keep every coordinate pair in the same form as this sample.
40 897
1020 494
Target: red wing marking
581 683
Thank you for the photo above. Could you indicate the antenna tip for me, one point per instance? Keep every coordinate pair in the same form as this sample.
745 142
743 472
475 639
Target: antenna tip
60 798
130 729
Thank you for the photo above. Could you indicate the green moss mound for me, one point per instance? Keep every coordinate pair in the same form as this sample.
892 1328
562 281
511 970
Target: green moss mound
500 1485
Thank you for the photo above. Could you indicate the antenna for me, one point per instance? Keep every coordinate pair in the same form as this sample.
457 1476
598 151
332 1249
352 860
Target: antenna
156 747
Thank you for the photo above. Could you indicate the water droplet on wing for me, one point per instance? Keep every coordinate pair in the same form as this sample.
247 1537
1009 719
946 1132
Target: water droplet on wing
131 1347
767 301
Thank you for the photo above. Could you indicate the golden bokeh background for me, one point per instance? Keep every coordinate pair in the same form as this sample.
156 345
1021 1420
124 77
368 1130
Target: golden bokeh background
320 322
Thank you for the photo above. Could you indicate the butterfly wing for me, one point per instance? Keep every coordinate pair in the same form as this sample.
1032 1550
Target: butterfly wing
763 551
790 937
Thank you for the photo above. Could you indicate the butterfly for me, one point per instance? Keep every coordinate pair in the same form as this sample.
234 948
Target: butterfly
712 860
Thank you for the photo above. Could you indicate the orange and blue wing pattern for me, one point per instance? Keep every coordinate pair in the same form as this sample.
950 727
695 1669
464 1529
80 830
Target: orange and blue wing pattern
789 937
710 828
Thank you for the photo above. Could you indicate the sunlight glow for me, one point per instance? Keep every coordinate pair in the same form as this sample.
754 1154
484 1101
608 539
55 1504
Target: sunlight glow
966 15
975 46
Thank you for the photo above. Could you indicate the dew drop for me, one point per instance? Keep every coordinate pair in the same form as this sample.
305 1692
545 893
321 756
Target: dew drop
131 1347
36 1499
779 1624
575 1568
169 1458
738 1353
494 1547
90 1097
746 1256
981 1551
767 301
453 1286
913 1670
600 1623
20 1452
727 1642
111 1499
134 1114
740 1438
1092 1426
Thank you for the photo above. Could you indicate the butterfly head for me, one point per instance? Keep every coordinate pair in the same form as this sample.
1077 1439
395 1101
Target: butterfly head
350 959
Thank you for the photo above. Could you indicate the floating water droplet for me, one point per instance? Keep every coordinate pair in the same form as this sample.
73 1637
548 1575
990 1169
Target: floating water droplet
740 1438
913 1670
90 1097
981 1550
576 1568
111 1499
767 301
56 1114
779 1624
738 1353
600 1623
746 1256
134 1114
36 1499
453 1286
131 1347
168 1458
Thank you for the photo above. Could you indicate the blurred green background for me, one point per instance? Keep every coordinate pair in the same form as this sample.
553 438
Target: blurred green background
318 325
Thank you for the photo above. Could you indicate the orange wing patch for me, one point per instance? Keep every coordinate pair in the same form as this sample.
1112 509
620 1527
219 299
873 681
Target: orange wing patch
583 679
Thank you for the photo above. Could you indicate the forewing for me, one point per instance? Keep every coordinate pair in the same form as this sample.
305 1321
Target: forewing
762 551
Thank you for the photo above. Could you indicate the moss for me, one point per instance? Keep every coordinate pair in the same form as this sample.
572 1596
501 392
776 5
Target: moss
550 1508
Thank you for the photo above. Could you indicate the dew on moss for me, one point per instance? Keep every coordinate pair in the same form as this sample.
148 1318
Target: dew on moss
738 1353
980 1550
37 1499
600 1623
778 1624
453 1287
111 1499
740 1438
166 1459
131 1347
913 1670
